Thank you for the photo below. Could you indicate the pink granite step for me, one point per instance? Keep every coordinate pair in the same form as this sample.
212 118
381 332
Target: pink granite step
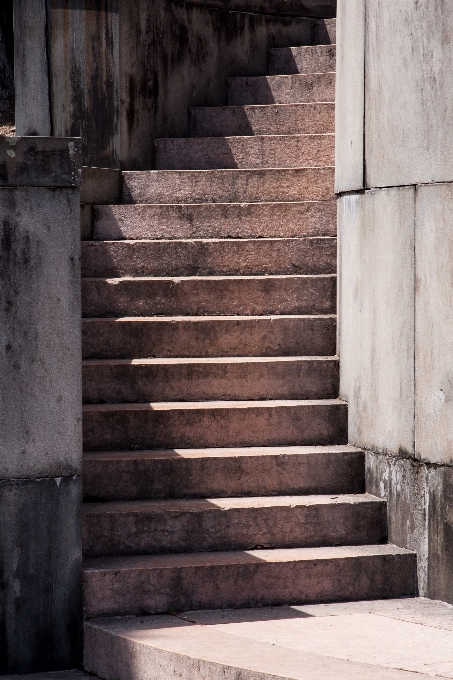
220 472
293 89
236 336
200 296
311 59
259 151
115 586
216 220
272 119
229 186
203 525
165 425
236 378
208 257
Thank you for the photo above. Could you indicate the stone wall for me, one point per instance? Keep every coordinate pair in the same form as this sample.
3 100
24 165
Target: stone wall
121 73
6 64
394 177
40 404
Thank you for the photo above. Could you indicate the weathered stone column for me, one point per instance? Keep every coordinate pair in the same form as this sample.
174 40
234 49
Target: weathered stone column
394 165
40 404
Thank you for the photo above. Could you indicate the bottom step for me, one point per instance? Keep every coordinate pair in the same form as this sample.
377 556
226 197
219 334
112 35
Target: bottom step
116 586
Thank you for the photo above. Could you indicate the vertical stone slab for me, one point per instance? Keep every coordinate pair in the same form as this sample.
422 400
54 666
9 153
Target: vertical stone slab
350 95
433 324
31 68
409 93
376 232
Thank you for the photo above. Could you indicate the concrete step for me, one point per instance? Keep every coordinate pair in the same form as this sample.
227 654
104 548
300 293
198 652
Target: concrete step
229 186
208 257
211 524
197 473
260 151
234 336
242 378
295 89
282 119
209 295
116 586
325 32
311 59
165 425
216 220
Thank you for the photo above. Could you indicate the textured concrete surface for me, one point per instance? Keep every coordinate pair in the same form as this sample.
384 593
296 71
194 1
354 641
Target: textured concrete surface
40 162
40 562
204 296
186 473
376 311
381 640
40 331
350 88
126 338
152 583
101 186
293 89
166 425
54 675
302 8
216 220
310 59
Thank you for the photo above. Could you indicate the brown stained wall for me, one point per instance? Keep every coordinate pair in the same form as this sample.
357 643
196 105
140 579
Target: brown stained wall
122 74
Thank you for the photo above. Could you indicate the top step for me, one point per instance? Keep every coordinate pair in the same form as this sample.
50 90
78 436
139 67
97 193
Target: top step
312 59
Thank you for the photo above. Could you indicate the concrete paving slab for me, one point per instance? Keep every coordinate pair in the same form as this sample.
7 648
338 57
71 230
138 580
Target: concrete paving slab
378 640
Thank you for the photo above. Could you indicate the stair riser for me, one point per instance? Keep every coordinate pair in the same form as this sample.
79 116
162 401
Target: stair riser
139 533
222 477
294 151
209 258
144 428
314 59
116 593
246 220
191 337
197 296
228 186
289 119
296 89
118 383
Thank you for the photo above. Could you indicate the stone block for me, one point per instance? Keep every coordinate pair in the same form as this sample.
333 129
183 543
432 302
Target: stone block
40 563
40 362
86 221
376 310
408 97
100 186
40 162
433 305
350 84
301 8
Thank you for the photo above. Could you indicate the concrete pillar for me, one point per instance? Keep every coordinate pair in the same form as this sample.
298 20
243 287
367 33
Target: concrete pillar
394 179
40 404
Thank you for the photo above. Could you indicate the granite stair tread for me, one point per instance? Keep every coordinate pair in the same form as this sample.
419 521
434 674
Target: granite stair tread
282 89
305 59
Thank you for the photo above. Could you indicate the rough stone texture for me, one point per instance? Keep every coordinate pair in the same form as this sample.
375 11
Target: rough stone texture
216 220
350 641
40 332
301 8
350 87
209 336
39 162
6 56
185 473
283 119
376 310
166 425
433 304
201 296
260 151
177 526
295 89
152 583
40 562
100 185
55 675
228 186
420 502
146 380
408 59
205 257
289 60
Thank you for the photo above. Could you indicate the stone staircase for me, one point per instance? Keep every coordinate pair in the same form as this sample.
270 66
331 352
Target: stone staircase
216 469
